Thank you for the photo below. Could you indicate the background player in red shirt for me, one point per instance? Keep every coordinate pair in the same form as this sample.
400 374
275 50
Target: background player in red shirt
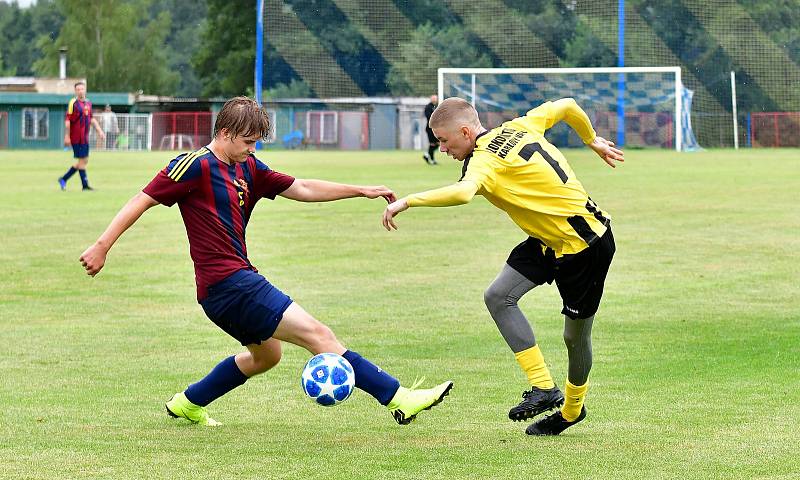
216 188
76 133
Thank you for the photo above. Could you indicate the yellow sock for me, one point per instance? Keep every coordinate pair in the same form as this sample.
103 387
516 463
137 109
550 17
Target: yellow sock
573 401
532 363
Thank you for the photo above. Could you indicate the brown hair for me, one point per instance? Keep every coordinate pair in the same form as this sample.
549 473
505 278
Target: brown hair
454 110
79 83
243 116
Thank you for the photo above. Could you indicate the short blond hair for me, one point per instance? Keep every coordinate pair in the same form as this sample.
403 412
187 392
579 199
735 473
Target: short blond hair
454 111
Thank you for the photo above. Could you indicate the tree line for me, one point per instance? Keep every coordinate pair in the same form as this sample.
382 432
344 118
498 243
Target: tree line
207 47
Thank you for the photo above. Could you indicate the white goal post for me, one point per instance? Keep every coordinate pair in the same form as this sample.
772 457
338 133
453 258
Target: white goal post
644 106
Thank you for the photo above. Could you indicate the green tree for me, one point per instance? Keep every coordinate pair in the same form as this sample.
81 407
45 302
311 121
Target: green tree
3 71
295 89
344 41
188 25
113 44
780 19
550 20
227 46
20 28
584 50
415 73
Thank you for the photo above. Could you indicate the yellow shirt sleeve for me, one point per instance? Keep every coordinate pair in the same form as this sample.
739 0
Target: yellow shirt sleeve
480 176
549 113
482 170
456 194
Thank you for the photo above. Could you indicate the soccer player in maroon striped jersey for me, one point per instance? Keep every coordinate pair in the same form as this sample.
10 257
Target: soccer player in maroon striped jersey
216 188
76 133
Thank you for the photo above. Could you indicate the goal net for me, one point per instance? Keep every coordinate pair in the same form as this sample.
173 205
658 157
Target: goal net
635 107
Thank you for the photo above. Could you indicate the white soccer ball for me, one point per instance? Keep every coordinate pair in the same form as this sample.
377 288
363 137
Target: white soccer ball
328 379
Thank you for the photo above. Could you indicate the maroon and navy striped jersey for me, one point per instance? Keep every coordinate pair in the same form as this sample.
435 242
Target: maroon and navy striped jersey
216 200
79 114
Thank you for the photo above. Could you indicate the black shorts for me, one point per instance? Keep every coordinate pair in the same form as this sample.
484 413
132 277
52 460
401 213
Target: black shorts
579 277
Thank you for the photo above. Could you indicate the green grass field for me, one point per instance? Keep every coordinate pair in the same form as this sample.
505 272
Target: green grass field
696 344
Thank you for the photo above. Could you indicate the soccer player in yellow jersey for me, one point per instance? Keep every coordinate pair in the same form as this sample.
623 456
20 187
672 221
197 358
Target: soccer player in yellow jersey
569 237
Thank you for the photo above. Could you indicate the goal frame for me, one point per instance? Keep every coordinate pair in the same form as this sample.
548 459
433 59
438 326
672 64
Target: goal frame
678 118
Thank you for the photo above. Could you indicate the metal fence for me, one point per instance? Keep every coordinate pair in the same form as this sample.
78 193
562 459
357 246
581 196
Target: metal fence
328 129
354 129
153 131
181 130
775 129
124 132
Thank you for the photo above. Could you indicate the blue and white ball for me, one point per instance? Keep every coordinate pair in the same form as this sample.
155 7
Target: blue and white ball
328 379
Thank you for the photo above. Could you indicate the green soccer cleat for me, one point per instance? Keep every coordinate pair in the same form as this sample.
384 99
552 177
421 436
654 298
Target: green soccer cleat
180 407
408 402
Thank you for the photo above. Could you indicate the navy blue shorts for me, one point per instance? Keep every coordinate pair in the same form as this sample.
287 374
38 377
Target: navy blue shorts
246 306
80 151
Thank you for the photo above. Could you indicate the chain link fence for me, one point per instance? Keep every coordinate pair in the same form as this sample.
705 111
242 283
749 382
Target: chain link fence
124 132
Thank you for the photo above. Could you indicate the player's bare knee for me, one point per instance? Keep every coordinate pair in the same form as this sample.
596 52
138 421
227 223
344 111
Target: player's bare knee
323 339
325 334
262 363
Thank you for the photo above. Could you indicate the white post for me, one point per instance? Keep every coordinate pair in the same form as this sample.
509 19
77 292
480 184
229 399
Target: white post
678 110
62 63
441 84
733 104
149 132
473 90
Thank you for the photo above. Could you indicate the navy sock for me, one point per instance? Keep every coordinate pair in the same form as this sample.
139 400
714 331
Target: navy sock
372 379
84 180
222 379
69 173
432 150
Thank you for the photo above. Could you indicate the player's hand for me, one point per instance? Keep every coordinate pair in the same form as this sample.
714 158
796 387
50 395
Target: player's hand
379 191
391 211
93 259
607 151
102 135
67 143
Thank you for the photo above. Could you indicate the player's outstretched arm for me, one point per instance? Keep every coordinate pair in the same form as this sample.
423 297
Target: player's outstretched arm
567 109
94 257
451 195
607 151
307 190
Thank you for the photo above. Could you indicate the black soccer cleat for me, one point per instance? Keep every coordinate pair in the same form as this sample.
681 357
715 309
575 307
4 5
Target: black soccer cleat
87 188
536 401
553 424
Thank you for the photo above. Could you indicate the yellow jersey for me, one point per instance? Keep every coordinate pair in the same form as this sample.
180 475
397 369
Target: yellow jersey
520 172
